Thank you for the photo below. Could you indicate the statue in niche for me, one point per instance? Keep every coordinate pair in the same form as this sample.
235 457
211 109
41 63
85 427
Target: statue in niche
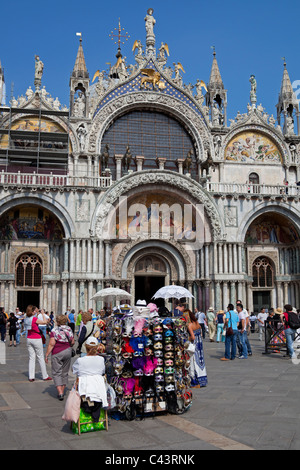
289 125
79 105
217 144
105 157
127 158
82 133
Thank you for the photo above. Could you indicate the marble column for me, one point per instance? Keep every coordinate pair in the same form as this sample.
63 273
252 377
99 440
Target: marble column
72 257
139 162
64 296
44 301
66 255
161 162
107 258
180 162
279 294
88 264
90 303
81 296
77 260
225 295
118 159
100 258
218 301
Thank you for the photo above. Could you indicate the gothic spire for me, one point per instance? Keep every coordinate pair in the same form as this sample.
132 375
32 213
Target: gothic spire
286 91
80 69
287 105
216 96
215 80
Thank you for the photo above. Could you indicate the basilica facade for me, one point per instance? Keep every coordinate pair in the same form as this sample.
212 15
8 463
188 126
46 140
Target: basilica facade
143 181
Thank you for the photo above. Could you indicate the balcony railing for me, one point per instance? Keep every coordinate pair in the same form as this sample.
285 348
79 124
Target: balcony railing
50 180
253 189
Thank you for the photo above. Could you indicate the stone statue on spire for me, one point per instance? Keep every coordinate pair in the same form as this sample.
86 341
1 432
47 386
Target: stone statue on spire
150 22
253 98
39 67
150 38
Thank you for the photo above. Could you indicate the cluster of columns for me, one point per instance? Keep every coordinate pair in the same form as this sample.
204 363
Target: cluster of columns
77 268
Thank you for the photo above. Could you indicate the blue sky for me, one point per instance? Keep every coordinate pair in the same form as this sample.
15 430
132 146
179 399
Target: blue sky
249 37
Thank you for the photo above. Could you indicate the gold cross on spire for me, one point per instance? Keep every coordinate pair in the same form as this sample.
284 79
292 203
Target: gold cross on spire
121 38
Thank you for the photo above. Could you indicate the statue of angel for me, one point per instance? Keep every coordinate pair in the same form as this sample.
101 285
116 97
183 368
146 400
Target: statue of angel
163 50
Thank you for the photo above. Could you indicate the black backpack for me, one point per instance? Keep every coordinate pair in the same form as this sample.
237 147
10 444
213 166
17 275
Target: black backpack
2 318
293 320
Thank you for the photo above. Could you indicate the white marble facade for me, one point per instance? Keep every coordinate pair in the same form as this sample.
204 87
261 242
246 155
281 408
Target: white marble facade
220 269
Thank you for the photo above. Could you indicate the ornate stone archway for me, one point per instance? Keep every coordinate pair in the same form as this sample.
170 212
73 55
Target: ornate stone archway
179 262
159 179
159 102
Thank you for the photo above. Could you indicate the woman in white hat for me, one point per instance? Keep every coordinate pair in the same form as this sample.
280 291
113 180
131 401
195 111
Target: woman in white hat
90 370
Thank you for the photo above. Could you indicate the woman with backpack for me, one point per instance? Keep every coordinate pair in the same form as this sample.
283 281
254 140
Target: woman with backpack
291 324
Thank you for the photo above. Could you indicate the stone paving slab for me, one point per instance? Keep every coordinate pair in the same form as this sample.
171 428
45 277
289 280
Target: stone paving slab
248 404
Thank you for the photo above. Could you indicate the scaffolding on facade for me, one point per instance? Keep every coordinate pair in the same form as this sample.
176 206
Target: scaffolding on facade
33 149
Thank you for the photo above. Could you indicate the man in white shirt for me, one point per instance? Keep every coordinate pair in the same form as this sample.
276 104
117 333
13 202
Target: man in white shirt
201 317
242 331
261 318
247 316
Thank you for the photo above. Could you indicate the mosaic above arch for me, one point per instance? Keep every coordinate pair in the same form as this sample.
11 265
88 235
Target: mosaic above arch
252 147
271 228
30 223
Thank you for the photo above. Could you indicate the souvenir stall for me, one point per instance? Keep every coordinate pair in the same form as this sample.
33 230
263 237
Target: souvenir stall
147 361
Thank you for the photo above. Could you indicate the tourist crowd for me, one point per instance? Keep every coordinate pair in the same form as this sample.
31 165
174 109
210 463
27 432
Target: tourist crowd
232 326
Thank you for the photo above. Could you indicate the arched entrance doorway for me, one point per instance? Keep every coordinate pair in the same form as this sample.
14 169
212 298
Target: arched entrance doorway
150 274
273 247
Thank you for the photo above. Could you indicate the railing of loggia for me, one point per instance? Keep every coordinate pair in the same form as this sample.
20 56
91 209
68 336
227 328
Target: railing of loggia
269 189
50 180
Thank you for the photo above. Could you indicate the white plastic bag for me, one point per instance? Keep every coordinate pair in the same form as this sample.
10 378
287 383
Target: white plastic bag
72 407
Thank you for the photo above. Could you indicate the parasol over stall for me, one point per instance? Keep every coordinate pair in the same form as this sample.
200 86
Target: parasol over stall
172 292
111 294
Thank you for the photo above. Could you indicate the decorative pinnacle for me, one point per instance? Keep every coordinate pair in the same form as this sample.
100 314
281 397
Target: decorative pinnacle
121 38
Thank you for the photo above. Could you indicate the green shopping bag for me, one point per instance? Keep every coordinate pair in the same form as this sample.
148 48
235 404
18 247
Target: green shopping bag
87 424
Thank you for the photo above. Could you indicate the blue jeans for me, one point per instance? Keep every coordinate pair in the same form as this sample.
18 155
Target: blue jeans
243 341
290 338
18 335
230 345
220 327
43 328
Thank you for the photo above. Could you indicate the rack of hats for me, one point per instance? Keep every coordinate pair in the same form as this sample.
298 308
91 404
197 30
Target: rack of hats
148 362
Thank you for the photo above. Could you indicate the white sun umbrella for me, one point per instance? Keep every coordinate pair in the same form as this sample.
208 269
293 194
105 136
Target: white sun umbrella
111 293
172 292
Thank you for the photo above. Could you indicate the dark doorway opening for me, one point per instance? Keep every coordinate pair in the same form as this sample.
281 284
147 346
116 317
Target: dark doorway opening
146 286
27 297
261 299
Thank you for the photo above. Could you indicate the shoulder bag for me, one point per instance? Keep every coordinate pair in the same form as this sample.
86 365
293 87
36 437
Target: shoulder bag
78 350
229 330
